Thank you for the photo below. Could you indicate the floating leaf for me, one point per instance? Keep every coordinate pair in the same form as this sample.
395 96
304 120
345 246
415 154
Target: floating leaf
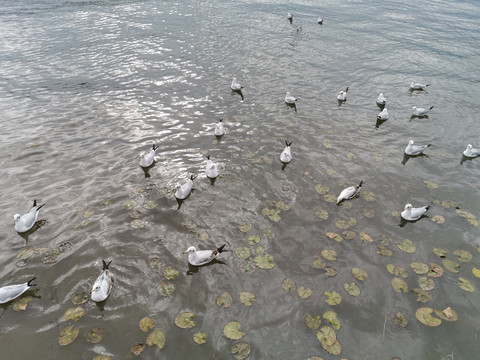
74 314
333 298
102 357
331 172
329 254
264 261
245 227
349 235
369 214
313 322
466 285
224 299
329 271
407 246
129 205
334 236
200 338
322 190
106 202
424 315
365 237
435 270
399 285
282 206
450 265
327 144
82 224
137 224
21 303
166 288
322 214
330 198
419 268
203 236
334 349
184 320
81 298
26 253
346 204
87 213
331 317
170 273
318 263
359 274
240 350
149 205
95 335
476 272
439 219
463 255
254 239
368 195
342 224
423 296
352 222
154 262
242 253
400 319
68 335
146 324
352 288
304 293
440 252
327 335
430 184
136 349
384 251
426 283
288 285
157 338
247 298
391 268
268 234
248 267
447 314
232 330
400 271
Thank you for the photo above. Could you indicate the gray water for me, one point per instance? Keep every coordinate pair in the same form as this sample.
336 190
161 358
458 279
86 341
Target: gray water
86 86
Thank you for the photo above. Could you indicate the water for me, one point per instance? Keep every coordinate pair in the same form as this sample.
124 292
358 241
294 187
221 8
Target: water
86 86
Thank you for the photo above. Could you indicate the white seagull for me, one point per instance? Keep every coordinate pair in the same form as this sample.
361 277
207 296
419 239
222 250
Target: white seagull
286 155
10 292
202 257
471 152
411 214
381 99
26 221
383 115
184 190
289 99
349 192
211 169
420 112
320 21
103 285
418 86
413 150
342 95
219 129
235 86
146 159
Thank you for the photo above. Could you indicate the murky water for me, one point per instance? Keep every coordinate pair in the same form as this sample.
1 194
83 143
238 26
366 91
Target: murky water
86 86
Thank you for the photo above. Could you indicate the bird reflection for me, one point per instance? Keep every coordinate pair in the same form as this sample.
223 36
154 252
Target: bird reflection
194 269
146 170
378 123
407 157
212 181
238 92
466 158
284 165
35 227
294 106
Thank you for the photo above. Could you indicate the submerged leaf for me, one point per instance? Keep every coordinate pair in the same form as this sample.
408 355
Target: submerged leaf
322 214
322 190
439 219
232 330
81 298
166 288
245 227
240 350
170 273
430 184
21 303
330 198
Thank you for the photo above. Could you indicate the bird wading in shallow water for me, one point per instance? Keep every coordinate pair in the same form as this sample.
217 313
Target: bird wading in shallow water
202 257
103 285
25 222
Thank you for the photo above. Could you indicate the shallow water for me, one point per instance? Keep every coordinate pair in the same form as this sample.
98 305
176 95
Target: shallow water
86 86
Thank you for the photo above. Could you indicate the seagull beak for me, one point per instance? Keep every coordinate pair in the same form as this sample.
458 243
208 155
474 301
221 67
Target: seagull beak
185 252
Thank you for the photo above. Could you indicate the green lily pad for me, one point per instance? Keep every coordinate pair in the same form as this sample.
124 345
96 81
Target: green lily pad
248 267
247 298
288 285
137 224
80 298
245 227
149 205
106 202
391 268
435 270
136 349
260 250
224 299
68 335
26 253
240 350
426 283
322 190
146 324
400 272
95 335
342 224
184 320
352 222
424 315
465 284
400 319
365 237
476 272
166 288
254 239
304 293
268 234
352 288
232 330
451 265
272 214
327 335
20 304
331 317
313 322
440 252
330 198
430 184
264 261
134 214
439 219
157 338
87 213
423 296
333 298
465 214
329 271
384 251
82 224
419 268
349 234
334 349
322 214
334 236
129 205
242 253
447 314
154 263
74 314
399 285
368 195
329 254
359 274
351 155
203 236
327 144
463 255
171 273
318 263
331 172
200 338
282 206
407 246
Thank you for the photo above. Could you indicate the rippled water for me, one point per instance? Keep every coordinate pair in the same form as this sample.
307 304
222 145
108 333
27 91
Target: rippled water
86 86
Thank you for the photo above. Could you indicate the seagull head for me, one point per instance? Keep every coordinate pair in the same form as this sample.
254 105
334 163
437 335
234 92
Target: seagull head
410 142
96 288
16 217
190 250
408 207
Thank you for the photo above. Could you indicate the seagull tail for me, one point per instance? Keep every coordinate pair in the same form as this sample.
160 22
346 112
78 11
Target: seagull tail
30 282
431 107
346 90
286 143
220 249
208 157
154 147
192 177
38 208
106 265
427 207
361 183
429 145
220 120
427 85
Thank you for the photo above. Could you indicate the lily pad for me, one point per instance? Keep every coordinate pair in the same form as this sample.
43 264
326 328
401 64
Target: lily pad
465 284
304 293
368 195
352 288
407 246
74 314
154 263
80 298
232 330
171 273
359 274
426 283
331 317
166 288
268 234
146 324
463 255
245 227
282 206
87 213
106 202
149 205
476 272
203 236
313 322
333 298
365 237
200 337
369 214
156 338
322 214
424 315
136 349
447 314
329 254
419 268
68 335
248 267
334 236
399 285
439 219
95 335
423 296
334 349
264 261
240 350
288 285
102 357
327 335
349 234
137 224
430 184
184 320
327 144
322 190
318 263
26 253
440 252
224 299
242 253
450 265
330 198
82 224
21 303
342 224
435 270
329 271
400 319
254 239
384 251
247 298
129 205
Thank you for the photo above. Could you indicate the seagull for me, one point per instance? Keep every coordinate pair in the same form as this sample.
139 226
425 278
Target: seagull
383 115
411 214
146 159
286 155
236 86
202 257
381 99
103 285
10 292
471 152
211 168
349 192
290 17
417 86
342 95
413 150
219 130
420 112
184 190
320 21
26 221
289 99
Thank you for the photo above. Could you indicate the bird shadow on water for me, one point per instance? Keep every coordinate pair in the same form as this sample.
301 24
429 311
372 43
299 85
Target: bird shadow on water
284 165
466 158
180 201
219 138
403 222
192 269
379 123
35 227
412 117
407 157
239 92
146 170
294 106
212 181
